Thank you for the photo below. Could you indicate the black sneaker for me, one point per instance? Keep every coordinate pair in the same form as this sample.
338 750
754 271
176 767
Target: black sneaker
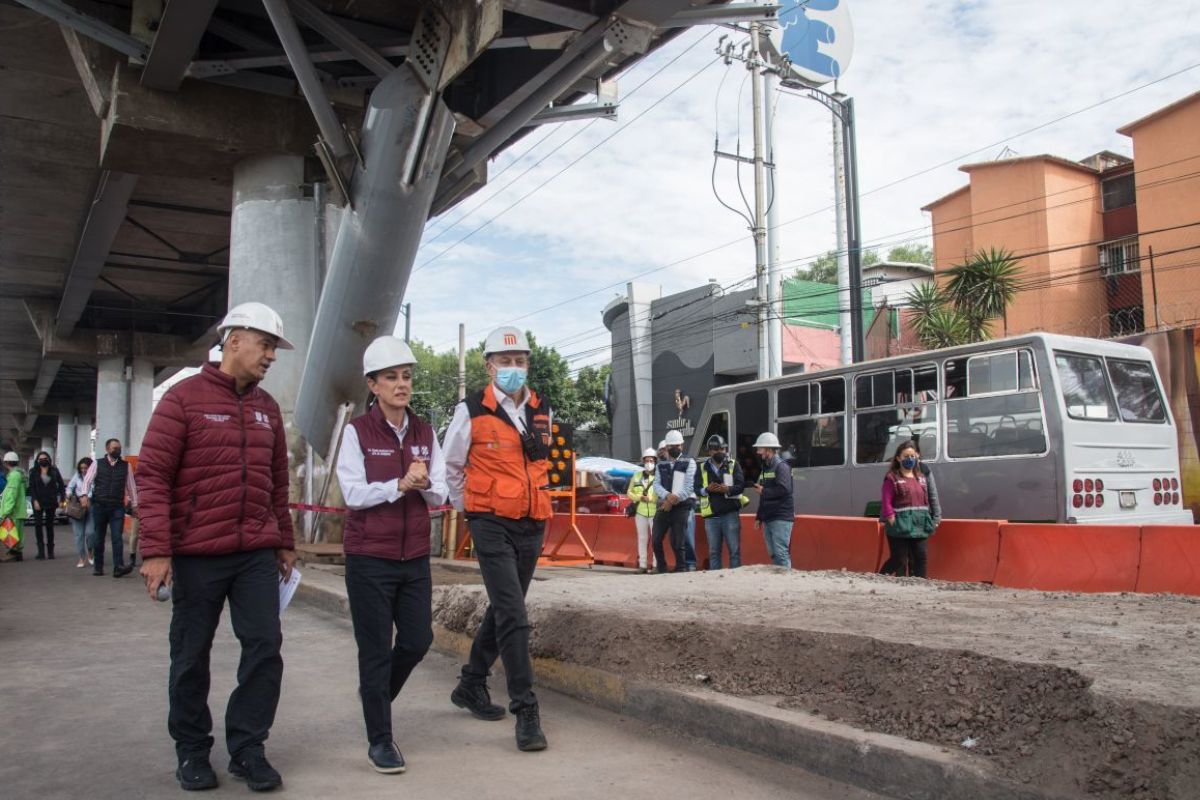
385 757
195 774
529 729
98 572
256 771
121 572
474 697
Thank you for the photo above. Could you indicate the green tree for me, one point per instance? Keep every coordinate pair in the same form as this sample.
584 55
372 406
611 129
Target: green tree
589 395
912 253
550 377
976 294
824 268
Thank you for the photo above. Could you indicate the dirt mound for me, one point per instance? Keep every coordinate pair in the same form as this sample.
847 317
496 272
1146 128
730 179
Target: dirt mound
1040 723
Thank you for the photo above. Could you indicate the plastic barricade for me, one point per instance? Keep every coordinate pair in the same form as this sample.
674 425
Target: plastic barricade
753 545
1070 558
616 540
560 527
1170 559
850 543
964 550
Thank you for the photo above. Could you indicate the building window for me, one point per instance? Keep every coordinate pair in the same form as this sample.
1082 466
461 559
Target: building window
1119 257
1118 192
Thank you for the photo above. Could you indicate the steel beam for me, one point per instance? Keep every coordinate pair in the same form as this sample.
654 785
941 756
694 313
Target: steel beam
183 23
325 25
89 26
103 221
551 12
722 15
47 373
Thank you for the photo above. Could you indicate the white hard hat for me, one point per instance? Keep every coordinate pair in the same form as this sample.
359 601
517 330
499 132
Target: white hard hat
649 452
11 458
673 437
255 316
662 445
505 339
768 439
387 351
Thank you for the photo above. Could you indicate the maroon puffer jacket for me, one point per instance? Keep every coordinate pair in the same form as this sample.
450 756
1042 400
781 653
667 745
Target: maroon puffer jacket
213 471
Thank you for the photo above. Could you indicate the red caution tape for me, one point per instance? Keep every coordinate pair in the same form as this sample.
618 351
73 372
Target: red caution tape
335 510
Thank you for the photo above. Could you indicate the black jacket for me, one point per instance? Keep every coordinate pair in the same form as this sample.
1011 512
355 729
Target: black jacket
721 503
47 494
777 501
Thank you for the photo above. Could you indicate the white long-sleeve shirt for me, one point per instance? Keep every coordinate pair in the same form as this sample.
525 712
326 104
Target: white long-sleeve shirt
352 474
456 444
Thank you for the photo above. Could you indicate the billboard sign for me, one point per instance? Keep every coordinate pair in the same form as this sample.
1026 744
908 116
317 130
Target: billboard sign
816 39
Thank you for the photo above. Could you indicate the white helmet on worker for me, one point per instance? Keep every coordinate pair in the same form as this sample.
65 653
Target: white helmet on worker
505 339
649 452
257 317
673 438
11 458
768 440
386 352
662 445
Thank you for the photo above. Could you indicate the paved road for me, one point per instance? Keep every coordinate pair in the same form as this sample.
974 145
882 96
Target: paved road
83 666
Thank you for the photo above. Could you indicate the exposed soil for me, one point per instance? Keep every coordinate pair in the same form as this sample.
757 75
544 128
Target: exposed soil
1087 695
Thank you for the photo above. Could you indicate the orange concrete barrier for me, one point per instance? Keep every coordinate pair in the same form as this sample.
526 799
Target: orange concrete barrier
1170 559
616 540
964 550
754 546
1071 558
851 543
559 526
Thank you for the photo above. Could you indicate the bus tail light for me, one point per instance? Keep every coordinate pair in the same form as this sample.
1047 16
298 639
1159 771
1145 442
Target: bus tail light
1077 501
1175 498
1158 498
1089 500
1078 486
1174 484
1099 485
1158 484
1089 485
1099 501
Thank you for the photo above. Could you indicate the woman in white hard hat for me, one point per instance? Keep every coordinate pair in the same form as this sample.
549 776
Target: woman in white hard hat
641 492
391 472
776 508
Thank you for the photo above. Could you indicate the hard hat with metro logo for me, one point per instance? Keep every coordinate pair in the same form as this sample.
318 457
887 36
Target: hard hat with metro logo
385 352
505 339
649 452
768 440
673 437
257 317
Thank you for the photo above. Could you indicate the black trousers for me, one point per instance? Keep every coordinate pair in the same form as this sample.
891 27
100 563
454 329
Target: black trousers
908 557
508 551
108 521
673 522
250 581
387 597
43 525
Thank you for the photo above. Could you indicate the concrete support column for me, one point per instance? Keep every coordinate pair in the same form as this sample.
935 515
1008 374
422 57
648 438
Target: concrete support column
141 399
112 402
83 436
66 455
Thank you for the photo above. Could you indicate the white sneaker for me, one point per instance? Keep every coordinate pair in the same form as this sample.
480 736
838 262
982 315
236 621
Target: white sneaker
80 565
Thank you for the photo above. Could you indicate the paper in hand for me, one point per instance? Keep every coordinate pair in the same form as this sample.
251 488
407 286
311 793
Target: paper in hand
287 588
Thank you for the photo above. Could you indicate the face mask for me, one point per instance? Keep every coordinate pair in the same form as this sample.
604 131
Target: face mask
43 462
510 379
674 452
115 452
908 463
648 466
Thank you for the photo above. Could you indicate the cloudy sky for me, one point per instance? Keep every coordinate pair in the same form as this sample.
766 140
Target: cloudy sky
937 83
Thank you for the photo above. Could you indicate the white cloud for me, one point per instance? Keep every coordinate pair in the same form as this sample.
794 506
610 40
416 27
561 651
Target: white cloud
932 82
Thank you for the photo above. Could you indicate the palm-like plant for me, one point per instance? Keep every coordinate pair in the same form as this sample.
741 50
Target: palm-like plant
976 293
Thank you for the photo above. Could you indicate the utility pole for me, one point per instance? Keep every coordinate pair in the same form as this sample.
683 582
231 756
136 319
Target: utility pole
755 64
462 361
774 275
407 322
844 298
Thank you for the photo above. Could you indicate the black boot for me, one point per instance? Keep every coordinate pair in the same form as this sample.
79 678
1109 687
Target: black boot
475 698
253 768
195 773
529 729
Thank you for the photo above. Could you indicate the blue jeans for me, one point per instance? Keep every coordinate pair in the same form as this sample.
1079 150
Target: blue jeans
83 534
112 518
728 528
689 545
778 533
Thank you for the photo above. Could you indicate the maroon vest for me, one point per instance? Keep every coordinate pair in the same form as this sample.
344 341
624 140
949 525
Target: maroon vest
399 530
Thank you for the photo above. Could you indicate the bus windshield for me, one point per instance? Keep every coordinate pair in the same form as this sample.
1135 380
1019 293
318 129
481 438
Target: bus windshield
1137 392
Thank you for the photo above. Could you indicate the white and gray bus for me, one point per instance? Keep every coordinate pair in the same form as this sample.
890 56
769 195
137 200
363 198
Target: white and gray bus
1037 428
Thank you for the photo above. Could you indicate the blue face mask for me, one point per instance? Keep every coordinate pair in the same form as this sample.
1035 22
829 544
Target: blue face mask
510 379
908 463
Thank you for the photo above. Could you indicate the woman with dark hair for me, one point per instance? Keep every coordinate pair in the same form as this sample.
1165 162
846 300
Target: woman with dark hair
906 512
47 490
81 525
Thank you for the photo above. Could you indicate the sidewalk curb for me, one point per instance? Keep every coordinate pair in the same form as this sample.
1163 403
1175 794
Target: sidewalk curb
881 763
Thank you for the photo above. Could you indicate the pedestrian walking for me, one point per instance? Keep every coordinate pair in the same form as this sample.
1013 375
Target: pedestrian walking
776 508
909 512
642 496
391 472
47 491
674 489
216 527
719 484
12 508
108 490
497 452
81 520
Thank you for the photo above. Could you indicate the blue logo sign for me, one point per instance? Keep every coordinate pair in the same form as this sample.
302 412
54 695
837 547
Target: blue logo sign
817 39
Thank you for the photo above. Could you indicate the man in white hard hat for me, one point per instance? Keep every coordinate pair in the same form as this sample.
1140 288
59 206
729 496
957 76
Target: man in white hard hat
497 452
776 508
674 486
213 490
391 472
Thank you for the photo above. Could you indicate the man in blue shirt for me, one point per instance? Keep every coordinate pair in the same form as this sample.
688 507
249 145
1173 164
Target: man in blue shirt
777 507
674 507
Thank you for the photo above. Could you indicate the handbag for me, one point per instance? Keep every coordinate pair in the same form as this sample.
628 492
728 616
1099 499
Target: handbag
75 509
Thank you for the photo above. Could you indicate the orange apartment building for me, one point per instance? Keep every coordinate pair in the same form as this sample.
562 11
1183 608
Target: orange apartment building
1108 246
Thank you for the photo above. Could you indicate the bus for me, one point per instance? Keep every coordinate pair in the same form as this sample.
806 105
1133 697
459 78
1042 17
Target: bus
1032 428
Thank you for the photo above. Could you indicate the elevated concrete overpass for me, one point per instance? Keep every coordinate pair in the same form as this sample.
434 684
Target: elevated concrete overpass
160 161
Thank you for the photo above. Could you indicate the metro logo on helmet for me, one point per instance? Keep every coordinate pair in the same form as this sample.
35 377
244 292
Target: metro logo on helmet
510 339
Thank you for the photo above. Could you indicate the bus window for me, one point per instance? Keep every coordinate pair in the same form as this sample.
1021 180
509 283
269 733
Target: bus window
1085 390
750 415
793 402
819 440
993 407
718 425
896 417
1137 391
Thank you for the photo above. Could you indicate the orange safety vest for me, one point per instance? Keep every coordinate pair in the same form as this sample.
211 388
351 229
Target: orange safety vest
504 476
